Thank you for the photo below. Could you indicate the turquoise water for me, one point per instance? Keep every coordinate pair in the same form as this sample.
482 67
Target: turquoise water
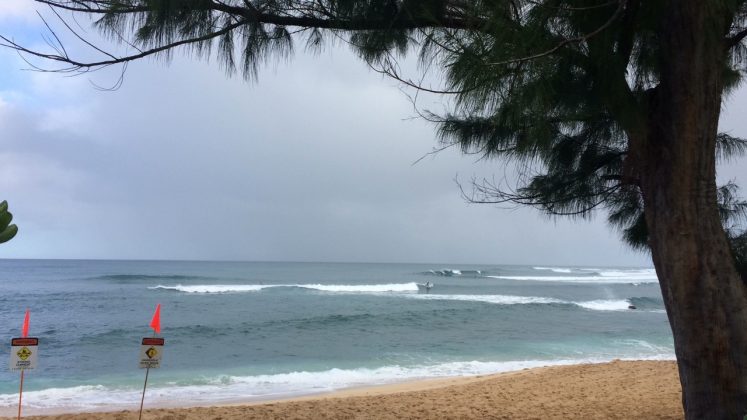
241 331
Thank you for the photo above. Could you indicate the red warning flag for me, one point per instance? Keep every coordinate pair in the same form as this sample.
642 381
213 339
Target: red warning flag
25 330
155 323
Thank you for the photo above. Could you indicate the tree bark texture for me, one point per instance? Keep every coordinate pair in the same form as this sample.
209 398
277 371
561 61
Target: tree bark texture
705 298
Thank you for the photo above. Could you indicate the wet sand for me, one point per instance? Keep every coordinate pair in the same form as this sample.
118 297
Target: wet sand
615 390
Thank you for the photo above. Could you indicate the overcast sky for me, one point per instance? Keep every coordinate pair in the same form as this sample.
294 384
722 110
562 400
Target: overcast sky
314 162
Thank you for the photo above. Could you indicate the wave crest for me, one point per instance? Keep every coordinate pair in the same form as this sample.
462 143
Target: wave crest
448 272
340 288
364 288
594 305
554 269
607 279
212 288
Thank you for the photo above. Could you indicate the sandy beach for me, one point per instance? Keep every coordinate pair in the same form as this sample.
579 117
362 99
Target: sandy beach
615 390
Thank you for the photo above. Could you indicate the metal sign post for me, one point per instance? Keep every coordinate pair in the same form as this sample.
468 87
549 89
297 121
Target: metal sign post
24 355
151 351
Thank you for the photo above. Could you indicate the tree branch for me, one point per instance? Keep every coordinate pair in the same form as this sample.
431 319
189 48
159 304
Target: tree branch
247 14
77 65
561 44
251 13
735 39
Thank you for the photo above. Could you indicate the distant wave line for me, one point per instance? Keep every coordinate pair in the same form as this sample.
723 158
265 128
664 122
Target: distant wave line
349 288
405 290
595 305
448 272
554 269
121 277
639 278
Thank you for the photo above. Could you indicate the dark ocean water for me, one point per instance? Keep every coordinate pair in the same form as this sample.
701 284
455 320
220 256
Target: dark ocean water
238 331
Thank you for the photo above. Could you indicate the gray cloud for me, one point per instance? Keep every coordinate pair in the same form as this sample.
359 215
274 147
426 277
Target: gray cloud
312 163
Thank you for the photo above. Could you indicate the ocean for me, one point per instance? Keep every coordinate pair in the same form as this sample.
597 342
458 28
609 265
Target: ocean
242 331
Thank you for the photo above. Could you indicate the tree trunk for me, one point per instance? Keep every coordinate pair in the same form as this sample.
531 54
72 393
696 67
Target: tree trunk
705 298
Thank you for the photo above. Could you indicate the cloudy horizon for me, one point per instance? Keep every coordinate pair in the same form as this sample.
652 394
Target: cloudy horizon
313 162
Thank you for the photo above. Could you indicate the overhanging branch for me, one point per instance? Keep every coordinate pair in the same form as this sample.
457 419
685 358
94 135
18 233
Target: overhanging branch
78 65
305 15
575 40
735 39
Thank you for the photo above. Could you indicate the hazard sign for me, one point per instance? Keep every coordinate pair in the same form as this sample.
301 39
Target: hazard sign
150 353
24 353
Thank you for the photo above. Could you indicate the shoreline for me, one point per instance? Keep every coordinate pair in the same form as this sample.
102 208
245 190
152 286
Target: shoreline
79 399
617 389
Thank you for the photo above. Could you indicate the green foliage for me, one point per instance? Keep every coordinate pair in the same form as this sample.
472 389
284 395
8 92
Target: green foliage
163 22
561 86
7 231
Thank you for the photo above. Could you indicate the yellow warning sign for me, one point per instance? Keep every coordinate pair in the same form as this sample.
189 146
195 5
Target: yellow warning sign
151 352
24 353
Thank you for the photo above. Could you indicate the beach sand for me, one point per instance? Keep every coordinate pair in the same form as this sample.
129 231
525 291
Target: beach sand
615 390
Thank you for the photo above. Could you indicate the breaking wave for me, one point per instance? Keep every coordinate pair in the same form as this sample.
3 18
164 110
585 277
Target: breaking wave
605 305
342 288
495 299
594 305
405 290
213 288
365 288
610 277
447 272
554 269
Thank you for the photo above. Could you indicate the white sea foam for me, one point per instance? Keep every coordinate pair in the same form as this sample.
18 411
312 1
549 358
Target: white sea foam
222 389
604 305
644 273
213 288
631 278
344 288
594 305
362 288
449 272
496 299
404 290
554 269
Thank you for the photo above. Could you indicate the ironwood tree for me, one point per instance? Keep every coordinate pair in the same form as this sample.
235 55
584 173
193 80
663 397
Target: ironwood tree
608 105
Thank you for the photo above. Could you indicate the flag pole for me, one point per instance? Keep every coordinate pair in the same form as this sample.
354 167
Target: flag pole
20 395
24 334
142 400
155 323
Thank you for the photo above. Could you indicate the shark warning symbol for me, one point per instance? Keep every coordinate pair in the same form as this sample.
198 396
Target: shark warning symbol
24 353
